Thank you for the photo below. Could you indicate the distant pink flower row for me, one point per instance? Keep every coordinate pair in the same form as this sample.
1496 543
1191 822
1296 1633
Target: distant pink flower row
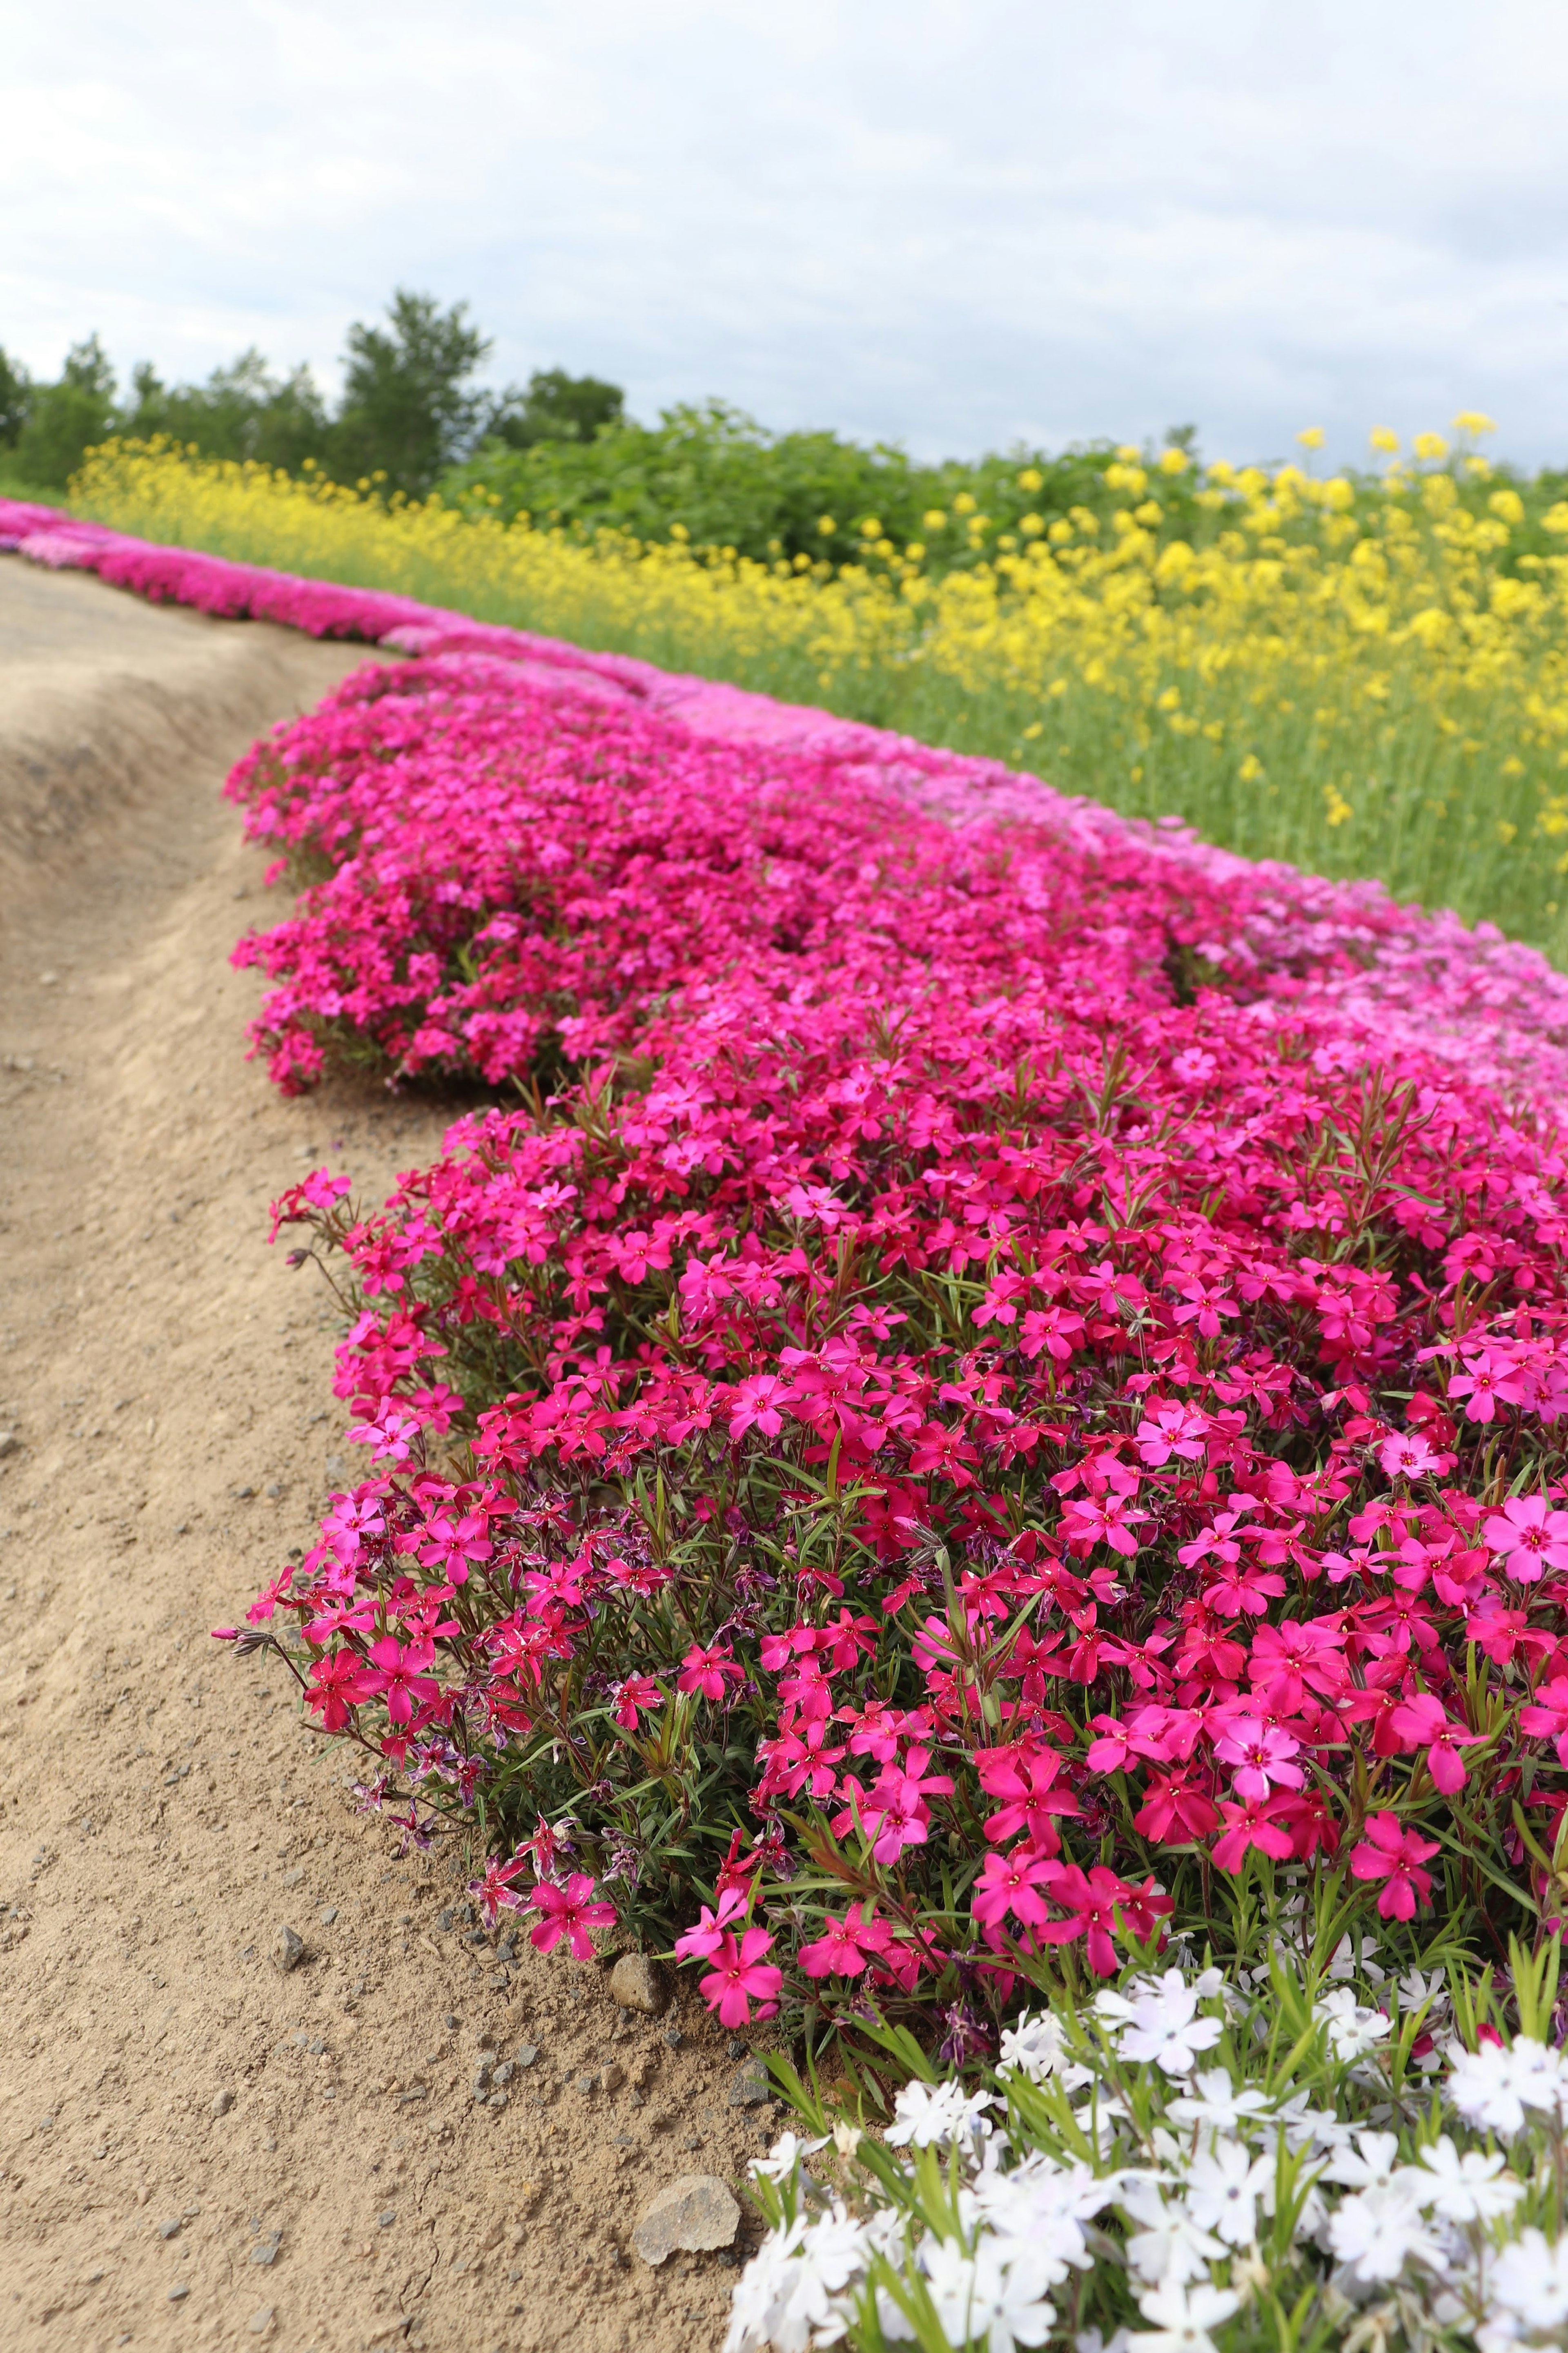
1395 976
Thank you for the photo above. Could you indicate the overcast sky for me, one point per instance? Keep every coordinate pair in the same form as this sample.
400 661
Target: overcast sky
951 222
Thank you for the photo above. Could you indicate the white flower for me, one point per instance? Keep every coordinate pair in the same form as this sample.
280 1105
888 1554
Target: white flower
1185 2317
1373 2233
783 2156
1169 2248
1042 2204
1347 1960
1091 2340
1529 2281
1352 2029
1493 2086
1372 2161
1309 2127
1161 2027
1224 2185
927 2116
1036 2047
1216 2106
1467 2189
786 2294
993 2295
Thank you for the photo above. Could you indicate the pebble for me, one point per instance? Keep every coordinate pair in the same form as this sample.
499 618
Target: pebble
388 2219
9 1442
696 2213
287 1950
178 2295
526 2053
637 1983
170 2230
262 2322
751 2086
327 1914
292 1878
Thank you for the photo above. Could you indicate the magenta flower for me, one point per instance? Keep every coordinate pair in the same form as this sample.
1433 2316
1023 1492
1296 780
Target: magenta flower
740 1977
708 1670
1260 1754
847 1945
401 1676
1393 1854
1530 1536
570 1912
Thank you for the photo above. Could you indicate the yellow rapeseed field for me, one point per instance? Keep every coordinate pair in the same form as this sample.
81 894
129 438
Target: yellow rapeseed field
1365 676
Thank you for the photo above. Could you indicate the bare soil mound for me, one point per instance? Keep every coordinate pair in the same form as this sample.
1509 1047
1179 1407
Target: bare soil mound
197 2146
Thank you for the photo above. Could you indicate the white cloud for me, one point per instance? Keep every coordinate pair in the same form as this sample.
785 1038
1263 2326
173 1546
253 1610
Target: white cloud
952 224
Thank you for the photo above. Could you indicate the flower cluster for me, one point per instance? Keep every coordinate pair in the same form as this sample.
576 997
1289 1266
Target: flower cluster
1180 2167
937 1439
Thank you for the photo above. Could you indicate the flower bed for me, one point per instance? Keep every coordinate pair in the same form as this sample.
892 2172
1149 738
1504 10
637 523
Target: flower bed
990 1413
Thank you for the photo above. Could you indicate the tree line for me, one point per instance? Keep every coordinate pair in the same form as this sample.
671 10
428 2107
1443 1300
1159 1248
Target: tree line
409 410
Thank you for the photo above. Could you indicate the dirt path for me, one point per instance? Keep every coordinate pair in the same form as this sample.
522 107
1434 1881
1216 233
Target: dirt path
195 2147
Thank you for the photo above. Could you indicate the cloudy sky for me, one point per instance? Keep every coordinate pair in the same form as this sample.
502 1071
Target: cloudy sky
952 222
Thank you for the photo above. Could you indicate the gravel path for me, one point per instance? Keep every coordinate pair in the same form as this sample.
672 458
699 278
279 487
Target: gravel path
196 2146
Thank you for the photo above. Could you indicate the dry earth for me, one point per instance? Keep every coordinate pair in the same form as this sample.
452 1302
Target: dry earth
197 2148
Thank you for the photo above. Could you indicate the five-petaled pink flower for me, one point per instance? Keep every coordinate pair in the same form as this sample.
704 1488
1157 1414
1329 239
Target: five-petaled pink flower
740 1976
569 1912
1530 1536
1261 1754
1393 1854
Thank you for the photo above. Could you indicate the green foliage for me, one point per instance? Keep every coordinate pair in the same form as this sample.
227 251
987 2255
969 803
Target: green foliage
408 409
16 390
64 420
242 411
713 475
557 407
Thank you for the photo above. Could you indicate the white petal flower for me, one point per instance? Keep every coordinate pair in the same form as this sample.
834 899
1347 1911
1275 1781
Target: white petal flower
1527 2282
994 2296
1373 2161
1214 2105
1353 2031
929 2115
783 2156
785 2296
1495 2085
1184 2318
1225 2183
1375 2232
1467 2188
1169 2247
1162 2027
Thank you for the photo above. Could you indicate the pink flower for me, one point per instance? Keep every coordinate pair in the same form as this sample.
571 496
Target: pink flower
1261 1753
1393 1854
846 1945
740 1977
1407 1456
1423 1722
701 1943
1530 1535
401 1676
569 1913
634 1696
707 1671
1012 1882
1256 1824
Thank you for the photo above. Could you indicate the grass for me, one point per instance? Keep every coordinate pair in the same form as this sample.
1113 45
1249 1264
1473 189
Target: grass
1362 677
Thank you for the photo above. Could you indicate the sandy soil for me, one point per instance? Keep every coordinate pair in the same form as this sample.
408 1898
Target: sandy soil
195 2147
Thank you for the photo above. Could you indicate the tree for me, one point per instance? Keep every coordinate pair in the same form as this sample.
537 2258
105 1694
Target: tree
16 390
243 410
406 411
557 407
65 419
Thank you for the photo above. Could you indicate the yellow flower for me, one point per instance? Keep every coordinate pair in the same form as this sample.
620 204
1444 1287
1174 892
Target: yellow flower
964 503
1430 444
1507 506
1383 437
1129 454
1031 479
1173 461
1311 437
934 518
1337 808
826 526
1471 420
1250 769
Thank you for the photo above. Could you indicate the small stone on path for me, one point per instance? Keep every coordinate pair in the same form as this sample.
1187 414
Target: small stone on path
287 1950
695 2214
637 1983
